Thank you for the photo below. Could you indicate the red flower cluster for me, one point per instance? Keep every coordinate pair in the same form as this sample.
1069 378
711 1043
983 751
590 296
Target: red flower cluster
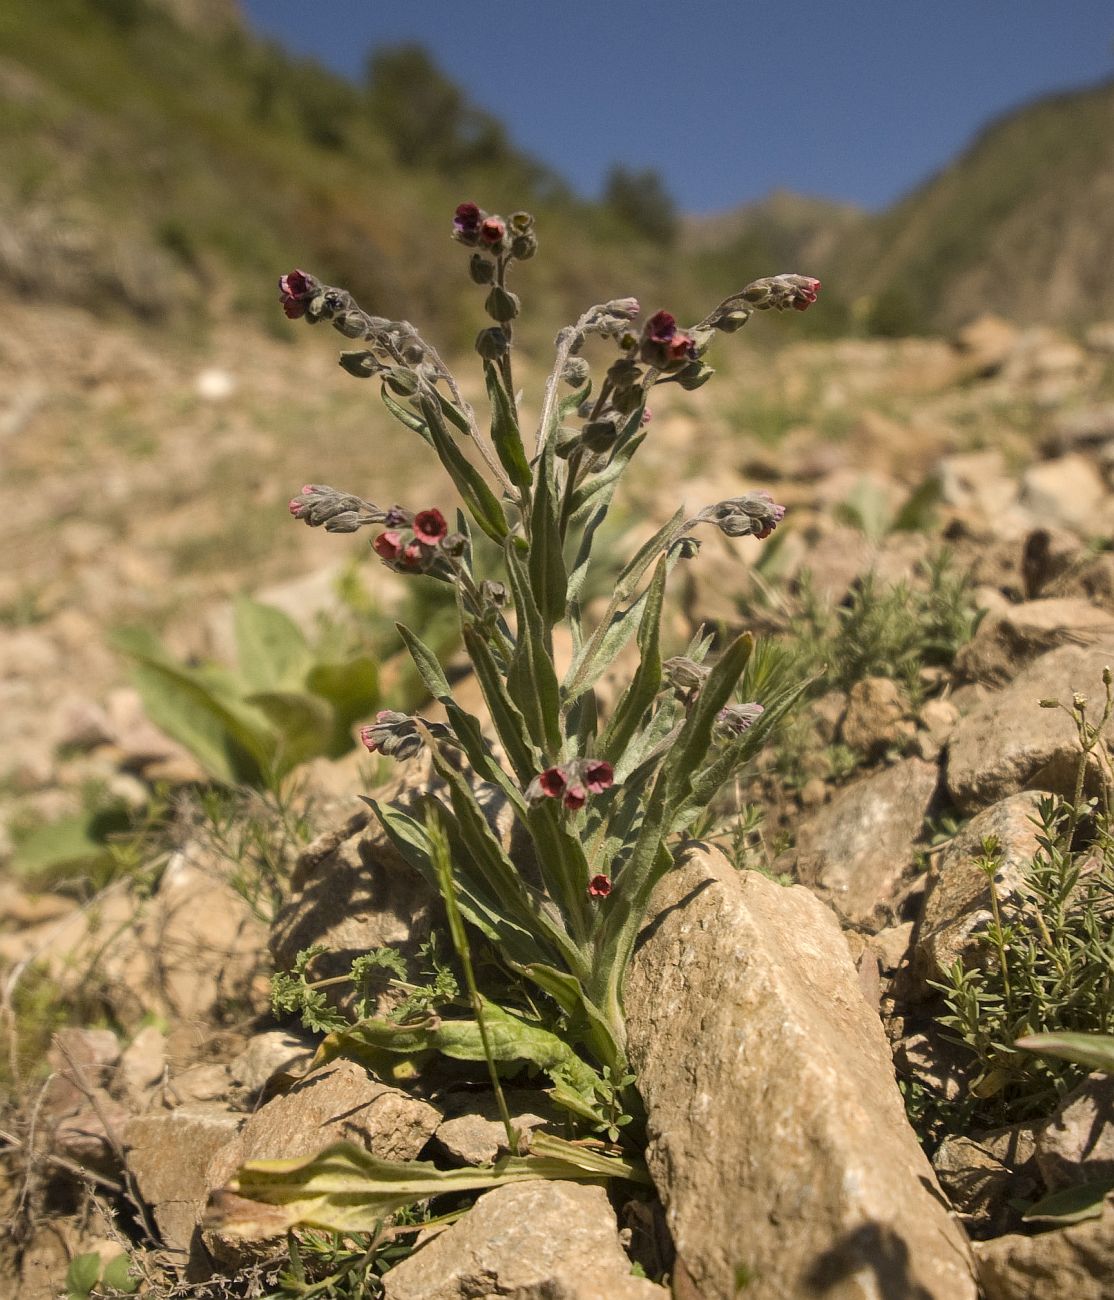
428 528
806 292
572 783
473 227
296 288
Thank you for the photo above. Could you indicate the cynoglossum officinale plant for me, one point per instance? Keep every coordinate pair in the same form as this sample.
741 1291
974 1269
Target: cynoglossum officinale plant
600 795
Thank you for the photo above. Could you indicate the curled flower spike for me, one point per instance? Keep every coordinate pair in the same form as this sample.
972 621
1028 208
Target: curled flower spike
599 887
430 526
392 734
778 292
572 783
754 514
734 719
340 512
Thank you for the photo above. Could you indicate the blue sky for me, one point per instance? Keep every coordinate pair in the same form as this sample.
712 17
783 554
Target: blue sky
857 100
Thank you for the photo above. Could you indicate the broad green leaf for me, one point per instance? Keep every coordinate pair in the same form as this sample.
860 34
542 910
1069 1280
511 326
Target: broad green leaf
304 724
919 511
546 563
411 420
1071 1204
83 1273
352 689
68 847
117 1274
505 435
1096 1051
272 652
478 497
345 1189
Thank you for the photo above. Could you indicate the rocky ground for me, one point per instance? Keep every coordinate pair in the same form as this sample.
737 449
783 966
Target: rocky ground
784 1154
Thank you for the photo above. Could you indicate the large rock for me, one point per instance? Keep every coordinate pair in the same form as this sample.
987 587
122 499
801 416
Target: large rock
956 910
1008 743
1077 1143
169 1155
1012 638
854 852
1075 1262
1067 491
778 1138
530 1241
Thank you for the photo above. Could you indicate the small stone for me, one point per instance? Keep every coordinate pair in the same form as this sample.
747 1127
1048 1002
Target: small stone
143 1065
938 717
875 717
1075 1262
525 1242
1077 1143
91 1052
475 1135
813 792
267 1054
199 1083
1066 491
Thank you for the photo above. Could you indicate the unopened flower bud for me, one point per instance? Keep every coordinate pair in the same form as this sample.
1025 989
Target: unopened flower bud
352 324
1079 702
492 343
733 320
685 676
735 719
502 305
778 292
398 517
339 512
565 442
493 593
523 247
627 308
576 372
694 375
599 435
393 734
754 514
687 548
362 365
454 544
481 269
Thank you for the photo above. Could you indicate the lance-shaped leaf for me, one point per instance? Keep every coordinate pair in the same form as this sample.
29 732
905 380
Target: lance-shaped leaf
531 680
546 563
478 497
643 688
1096 1051
586 1024
511 1040
426 662
505 714
452 413
410 419
345 1189
505 435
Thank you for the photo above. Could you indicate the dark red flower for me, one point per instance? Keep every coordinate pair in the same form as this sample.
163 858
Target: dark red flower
576 796
430 526
297 507
663 344
552 782
492 231
388 545
598 775
295 287
599 887
466 224
806 292
413 555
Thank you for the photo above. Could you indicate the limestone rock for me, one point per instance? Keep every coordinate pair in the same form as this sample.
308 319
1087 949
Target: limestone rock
982 1175
473 1134
1066 491
1077 1143
875 719
142 1065
778 1138
1008 743
169 1155
266 1055
854 851
1010 639
340 1102
1077 1261
956 906
526 1241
